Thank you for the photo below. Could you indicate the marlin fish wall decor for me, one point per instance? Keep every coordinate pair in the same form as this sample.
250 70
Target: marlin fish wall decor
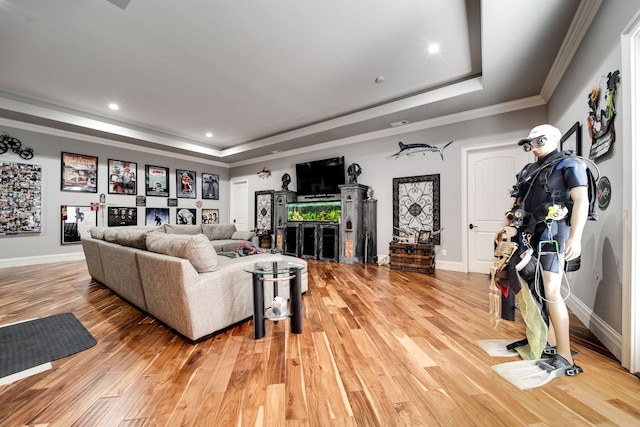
408 149
264 173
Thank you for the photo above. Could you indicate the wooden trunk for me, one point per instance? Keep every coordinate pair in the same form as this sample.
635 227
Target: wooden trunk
412 257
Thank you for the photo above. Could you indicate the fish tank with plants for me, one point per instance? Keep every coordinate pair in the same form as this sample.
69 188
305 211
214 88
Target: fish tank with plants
314 211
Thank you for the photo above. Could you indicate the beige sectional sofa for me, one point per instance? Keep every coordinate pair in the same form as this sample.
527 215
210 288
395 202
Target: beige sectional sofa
175 273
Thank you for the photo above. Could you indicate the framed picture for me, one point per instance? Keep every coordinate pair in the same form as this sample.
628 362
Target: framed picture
264 211
121 216
79 173
76 222
157 181
186 216
156 216
416 204
210 216
210 186
20 198
423 236
185 184
572 140
172 202
122 177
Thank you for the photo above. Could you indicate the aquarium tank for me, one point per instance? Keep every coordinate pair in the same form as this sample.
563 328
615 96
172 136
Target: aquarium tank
314 211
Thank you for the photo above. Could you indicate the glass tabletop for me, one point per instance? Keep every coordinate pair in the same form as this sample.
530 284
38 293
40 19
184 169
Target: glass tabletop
270 267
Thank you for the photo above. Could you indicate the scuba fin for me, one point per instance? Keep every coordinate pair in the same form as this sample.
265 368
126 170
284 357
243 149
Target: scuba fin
526 374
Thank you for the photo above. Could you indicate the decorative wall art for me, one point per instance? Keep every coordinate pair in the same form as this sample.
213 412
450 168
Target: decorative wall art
604 193
416 204
572 140
210 216
172 202
76 223
156 216
264 210
20 198
122 216
122 177
186 184
601 120
186 216
157 181
210 186
79 173
8 142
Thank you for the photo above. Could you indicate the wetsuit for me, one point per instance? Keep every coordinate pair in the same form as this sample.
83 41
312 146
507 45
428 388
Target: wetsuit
539 187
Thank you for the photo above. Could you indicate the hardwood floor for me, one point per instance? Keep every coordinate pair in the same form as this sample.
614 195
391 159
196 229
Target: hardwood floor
379 348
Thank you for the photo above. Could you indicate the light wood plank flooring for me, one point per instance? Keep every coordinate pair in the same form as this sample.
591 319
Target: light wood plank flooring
379 348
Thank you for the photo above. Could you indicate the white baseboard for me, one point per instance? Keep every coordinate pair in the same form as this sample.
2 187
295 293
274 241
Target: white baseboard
611 339
44 259
450 266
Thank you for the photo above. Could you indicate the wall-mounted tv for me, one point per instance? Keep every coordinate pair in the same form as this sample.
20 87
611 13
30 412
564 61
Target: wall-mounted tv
320 177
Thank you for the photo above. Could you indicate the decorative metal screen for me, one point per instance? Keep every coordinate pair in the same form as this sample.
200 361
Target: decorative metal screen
416 204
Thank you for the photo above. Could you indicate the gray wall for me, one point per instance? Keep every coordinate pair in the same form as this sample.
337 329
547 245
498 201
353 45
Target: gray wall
26 248
598 285
379 170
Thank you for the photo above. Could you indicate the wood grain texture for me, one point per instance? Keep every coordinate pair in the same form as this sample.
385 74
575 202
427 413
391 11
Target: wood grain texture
379 347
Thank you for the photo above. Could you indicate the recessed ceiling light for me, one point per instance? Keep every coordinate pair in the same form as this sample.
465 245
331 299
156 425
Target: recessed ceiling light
433 48
114 106
209 135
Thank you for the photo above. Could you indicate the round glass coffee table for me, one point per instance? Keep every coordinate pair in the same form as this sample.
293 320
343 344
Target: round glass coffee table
275 272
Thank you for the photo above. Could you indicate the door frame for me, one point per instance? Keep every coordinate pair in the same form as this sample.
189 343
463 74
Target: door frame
466 153
630 52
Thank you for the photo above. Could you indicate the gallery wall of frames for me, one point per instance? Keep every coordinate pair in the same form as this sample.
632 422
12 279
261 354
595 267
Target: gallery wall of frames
79 173
21 196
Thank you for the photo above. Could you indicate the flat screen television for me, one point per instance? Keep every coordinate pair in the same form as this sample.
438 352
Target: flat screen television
320 177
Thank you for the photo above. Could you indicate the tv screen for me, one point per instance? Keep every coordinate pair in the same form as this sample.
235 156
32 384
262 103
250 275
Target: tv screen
320 177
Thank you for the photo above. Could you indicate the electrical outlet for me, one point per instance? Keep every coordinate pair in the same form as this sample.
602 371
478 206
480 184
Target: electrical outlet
444 252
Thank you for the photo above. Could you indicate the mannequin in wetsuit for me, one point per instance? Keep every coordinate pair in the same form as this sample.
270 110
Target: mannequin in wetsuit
543 197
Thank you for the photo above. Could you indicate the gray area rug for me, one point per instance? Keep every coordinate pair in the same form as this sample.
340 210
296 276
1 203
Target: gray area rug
34 342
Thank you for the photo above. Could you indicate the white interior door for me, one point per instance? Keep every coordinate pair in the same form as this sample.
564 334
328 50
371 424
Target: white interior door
239 206
490 176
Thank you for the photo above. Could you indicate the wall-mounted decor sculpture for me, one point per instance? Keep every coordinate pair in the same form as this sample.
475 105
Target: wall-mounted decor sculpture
601 121
416 204
8 142
409 149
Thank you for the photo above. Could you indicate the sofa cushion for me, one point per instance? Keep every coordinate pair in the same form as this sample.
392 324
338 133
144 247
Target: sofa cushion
197 249
243 235
133 238
183 229
97 232
218 231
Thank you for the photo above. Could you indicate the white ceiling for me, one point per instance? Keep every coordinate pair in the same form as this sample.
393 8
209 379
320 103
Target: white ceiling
269 75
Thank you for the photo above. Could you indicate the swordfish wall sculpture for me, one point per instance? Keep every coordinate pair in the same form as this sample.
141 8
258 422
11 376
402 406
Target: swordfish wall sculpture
409 149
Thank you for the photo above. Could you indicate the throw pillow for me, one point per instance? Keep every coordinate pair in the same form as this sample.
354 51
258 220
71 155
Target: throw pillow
242 235
182 229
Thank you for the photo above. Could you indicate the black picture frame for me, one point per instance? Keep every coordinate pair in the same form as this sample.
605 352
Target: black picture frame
424 236
264 211
572 140
156 216
186 216
76 222
210 216
172 202
123 177
185 184
122 216
157 181
79 173
210 186
416 204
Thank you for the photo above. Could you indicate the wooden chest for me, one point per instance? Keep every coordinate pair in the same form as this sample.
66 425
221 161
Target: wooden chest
412 257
